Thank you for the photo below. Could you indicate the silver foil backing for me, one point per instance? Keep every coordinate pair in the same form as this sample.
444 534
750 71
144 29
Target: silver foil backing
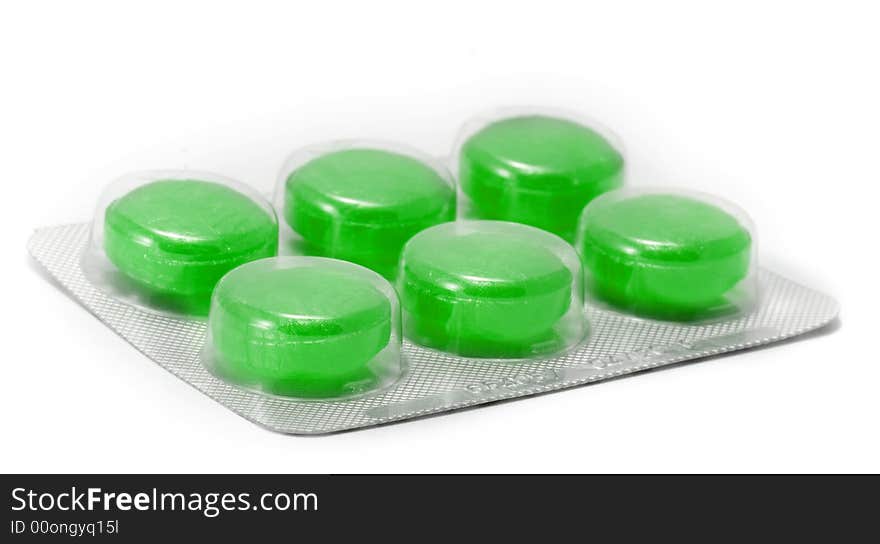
437 382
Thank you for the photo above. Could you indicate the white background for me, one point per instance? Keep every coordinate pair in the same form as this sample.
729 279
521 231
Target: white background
772 105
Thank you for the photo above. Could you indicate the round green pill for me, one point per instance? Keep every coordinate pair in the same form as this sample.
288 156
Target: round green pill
665 255
305 327
491 289
175 238
537 170
363 204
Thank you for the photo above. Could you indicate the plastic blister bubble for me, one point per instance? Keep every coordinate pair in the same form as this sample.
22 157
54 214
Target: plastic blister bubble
668 254
491 289
360 201
305 327
162 239
537 167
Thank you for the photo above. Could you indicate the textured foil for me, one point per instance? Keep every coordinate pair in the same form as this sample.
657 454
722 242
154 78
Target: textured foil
436 382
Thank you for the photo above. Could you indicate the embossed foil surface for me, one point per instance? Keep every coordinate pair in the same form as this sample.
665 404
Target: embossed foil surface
437 382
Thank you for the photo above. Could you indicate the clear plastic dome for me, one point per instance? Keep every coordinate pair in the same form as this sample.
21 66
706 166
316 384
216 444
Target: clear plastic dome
163 239
491 289
537 167
306 327
668 254
361 201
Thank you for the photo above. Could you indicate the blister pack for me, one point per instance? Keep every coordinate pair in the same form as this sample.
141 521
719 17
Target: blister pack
386 305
